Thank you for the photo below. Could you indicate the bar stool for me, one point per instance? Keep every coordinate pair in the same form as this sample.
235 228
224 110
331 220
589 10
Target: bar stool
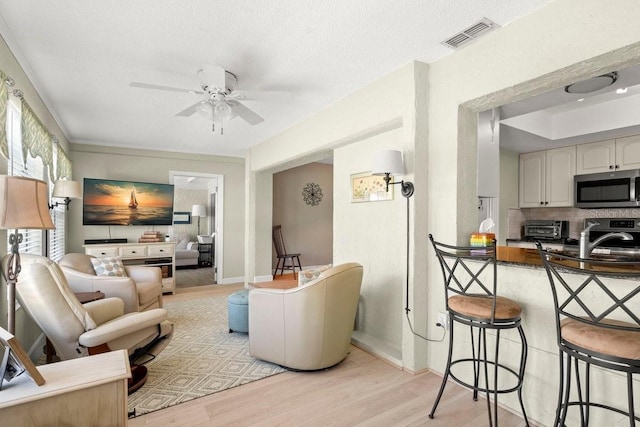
597 322
470 281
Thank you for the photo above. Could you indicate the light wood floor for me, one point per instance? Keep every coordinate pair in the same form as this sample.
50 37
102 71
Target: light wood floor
362 390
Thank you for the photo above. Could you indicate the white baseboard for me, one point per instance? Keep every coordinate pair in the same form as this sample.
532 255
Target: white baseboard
260 279
377 347
230 280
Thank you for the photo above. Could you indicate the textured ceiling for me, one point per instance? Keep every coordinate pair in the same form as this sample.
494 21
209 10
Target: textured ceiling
81 56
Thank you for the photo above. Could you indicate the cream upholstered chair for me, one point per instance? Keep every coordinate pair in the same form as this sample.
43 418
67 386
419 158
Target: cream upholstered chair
308 327
78 330
140 291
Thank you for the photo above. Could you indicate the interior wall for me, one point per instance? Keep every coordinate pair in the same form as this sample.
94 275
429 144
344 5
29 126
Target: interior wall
373 234
509 165
183 201
386 107
92 161
306 229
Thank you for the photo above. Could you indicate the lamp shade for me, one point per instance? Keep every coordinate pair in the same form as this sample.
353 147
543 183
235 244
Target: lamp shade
199 210
387 161
70 189
24 203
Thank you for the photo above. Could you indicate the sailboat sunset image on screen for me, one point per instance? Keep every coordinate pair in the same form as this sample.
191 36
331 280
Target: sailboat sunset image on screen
112 202
133 202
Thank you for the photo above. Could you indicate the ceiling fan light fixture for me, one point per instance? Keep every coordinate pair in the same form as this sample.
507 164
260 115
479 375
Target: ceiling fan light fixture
593 84
222 110
205 109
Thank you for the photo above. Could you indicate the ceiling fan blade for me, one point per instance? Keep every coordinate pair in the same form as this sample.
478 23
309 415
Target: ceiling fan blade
245 113
213 76
189 111
166 88
265 95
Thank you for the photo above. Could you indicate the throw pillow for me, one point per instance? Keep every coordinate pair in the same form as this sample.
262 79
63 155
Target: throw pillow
182 240
108 266
306 276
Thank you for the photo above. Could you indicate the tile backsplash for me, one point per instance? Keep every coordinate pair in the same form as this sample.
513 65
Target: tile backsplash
516 217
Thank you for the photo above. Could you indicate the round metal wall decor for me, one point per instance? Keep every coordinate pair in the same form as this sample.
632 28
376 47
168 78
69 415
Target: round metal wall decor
312 194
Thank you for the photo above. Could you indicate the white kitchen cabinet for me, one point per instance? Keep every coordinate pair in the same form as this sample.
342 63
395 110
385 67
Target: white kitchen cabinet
605 156
546 178
628 152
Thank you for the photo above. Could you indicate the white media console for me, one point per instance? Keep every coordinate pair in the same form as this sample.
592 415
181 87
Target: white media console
160 254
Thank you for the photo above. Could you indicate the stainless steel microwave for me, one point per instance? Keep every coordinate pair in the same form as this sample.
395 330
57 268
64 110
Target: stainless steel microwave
616 189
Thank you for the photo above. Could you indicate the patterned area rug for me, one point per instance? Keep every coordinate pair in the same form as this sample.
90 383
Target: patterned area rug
201 359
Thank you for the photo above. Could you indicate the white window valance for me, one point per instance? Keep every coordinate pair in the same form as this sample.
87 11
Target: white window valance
36 139
63 165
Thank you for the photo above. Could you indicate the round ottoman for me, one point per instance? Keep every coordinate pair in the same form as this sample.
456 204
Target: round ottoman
238 308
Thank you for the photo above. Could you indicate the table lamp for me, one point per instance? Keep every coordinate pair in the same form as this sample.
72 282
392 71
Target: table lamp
199 211
23 205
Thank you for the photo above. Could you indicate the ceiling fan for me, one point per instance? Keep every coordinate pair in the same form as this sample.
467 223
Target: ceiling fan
220 102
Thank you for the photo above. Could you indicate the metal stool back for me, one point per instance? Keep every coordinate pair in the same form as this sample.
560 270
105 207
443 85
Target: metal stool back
470 281
597 322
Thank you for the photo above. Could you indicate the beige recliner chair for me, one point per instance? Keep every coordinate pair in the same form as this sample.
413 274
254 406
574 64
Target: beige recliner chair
140 291
308 327
78 330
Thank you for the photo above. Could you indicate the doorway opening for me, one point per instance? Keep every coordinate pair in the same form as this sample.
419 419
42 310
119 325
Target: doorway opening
206 188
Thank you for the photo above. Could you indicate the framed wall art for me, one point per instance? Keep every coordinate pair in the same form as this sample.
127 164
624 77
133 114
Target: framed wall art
366 187
15 360
182 217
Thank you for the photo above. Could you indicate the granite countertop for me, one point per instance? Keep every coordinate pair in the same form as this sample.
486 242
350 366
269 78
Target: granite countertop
515 255
530 257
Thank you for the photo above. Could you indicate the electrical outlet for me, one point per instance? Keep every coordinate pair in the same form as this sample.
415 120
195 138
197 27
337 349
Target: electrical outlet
443 320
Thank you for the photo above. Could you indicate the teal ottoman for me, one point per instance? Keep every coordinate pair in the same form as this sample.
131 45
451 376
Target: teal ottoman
238 309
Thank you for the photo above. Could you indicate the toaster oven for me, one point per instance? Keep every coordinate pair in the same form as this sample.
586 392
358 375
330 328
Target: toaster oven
546 230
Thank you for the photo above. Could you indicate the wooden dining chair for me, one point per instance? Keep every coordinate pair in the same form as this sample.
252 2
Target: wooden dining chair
282 255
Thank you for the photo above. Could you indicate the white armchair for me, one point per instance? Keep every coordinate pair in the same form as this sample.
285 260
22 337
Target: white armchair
308 327
78 330
140 291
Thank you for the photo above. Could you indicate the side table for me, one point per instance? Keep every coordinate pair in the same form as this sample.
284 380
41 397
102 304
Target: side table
206 255
83 297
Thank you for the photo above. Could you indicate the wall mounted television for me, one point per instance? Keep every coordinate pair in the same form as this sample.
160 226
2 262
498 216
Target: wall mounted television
112 202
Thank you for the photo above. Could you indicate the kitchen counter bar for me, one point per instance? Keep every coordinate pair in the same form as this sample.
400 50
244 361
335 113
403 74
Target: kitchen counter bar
530 257
526 256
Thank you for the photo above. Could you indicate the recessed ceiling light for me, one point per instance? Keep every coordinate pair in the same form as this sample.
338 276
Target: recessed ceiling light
622 90
593 84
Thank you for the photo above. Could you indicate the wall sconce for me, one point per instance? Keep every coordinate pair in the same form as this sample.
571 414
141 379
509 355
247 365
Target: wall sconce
199 211
389 163
23 205
66 190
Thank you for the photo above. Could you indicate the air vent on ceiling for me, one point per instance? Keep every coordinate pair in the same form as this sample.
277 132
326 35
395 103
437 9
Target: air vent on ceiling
473 32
